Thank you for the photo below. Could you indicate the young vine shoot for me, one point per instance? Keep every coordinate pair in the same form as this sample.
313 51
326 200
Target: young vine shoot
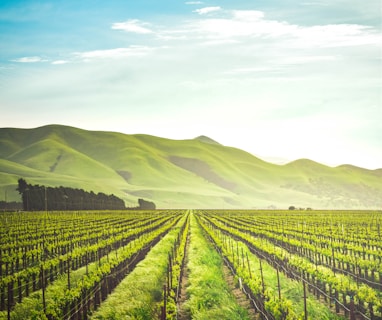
172 264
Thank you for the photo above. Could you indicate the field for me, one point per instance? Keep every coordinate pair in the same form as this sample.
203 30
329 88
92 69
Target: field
155 169
191 264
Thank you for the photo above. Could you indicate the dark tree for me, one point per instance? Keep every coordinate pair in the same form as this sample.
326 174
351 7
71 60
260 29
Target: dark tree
11 206
37 197
146 205
23 190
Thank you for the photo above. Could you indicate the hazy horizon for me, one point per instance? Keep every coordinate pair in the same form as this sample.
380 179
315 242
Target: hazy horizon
286 79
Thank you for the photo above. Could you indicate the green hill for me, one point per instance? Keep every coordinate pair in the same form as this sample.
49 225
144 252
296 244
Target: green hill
195 173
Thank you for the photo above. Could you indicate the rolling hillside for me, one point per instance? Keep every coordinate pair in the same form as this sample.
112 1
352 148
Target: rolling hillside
195 173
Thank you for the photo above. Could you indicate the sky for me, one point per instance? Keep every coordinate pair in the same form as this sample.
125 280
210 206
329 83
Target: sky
283 80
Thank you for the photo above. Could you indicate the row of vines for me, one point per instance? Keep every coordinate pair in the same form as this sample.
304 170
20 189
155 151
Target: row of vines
130 264
335 257
63 265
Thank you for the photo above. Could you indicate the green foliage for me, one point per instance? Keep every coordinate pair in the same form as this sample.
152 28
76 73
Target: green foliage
142 288
209 295
267 234
38 198
176 173
142 228
300 241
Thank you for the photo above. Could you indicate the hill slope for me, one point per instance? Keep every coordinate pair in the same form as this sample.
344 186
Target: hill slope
176 173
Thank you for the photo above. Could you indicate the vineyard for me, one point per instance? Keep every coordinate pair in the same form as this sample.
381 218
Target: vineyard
172 264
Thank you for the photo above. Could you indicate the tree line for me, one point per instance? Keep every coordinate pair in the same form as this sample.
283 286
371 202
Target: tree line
10 206
39 197
146 205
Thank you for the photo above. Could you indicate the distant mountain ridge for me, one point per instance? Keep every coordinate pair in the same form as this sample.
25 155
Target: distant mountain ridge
193 173
206 140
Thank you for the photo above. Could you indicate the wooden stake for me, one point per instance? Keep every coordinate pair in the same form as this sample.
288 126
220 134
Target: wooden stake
164 302
9 287
68 270
237 253
43 288
305 305
262 276
242 257
249 267
352 313
278 282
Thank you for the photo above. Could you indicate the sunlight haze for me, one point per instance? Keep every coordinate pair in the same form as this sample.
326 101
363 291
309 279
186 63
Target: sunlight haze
286 79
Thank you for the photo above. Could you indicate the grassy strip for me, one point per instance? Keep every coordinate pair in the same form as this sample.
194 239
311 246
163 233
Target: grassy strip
79 247
174 272
58 295
208 292
291 305
139 295
343 284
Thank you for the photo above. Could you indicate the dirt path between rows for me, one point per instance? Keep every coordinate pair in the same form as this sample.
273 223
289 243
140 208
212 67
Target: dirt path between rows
183 313
241 298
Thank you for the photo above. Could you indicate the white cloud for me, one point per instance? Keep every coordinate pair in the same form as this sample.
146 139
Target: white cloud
60 62
29 59
258 76
194 2
114 53
254 24
207 10
254 70
227 28
135 26
315 3
243 23
247 25
248 15
308 59
335 35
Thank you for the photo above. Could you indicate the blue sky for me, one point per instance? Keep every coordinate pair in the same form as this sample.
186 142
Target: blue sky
287 79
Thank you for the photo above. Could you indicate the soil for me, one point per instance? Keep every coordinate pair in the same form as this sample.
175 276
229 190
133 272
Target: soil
241 298
183 313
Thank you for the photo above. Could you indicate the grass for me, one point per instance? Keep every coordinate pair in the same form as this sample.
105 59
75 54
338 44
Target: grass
57 292
139 295
291 291
230 177
209 296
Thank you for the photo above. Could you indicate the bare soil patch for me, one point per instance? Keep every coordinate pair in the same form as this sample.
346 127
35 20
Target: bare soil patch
241 298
